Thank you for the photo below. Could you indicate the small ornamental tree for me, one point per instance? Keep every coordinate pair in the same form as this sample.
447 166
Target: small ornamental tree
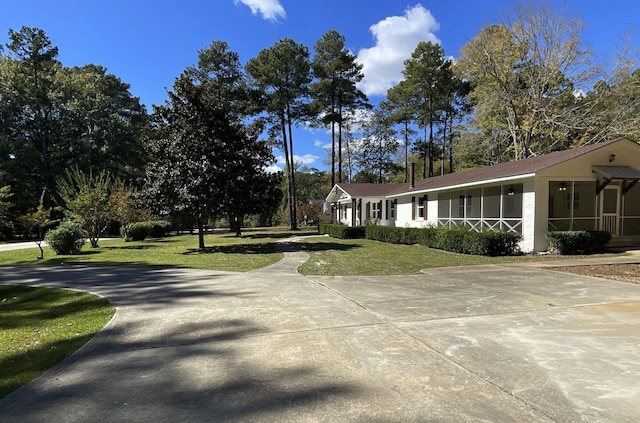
36 224
124 210
86 201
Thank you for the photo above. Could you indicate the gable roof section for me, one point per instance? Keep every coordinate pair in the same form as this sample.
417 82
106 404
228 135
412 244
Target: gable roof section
361 190
511 169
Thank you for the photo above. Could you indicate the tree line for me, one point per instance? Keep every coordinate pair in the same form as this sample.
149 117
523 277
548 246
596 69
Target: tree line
523 86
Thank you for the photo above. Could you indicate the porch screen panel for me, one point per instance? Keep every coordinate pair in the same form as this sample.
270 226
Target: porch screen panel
632 202
584 206
491 203
584 199
512 204
631 221
474 203
560 206
458 204
443 205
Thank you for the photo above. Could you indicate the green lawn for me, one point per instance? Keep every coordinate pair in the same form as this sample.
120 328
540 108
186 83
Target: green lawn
255 249
39 327
336 257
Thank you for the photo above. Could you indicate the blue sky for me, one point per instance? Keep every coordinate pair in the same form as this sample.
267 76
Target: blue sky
149 43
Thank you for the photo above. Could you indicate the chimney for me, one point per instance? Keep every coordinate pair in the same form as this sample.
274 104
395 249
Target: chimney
412 175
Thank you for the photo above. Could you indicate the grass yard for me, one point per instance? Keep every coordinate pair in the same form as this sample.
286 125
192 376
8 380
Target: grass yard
255 249
39 327
336 257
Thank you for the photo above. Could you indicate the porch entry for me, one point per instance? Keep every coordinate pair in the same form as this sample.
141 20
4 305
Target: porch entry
610 210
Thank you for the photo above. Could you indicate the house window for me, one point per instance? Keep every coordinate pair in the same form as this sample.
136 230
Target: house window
375 210
422 207
393 209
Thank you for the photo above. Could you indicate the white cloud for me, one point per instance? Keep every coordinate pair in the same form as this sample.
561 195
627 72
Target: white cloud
273 169
270 10
301 160
396 38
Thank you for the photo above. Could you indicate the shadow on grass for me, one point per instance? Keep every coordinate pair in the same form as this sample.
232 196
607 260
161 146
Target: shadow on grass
275 235
132 247
261 248
312 247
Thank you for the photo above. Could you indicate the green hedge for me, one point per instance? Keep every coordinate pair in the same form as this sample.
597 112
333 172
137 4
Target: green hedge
341 231
577 242
150 229
492 243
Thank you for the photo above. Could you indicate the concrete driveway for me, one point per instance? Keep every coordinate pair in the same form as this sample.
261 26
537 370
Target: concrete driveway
487 343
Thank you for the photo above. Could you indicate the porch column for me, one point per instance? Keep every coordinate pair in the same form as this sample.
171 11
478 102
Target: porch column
354 207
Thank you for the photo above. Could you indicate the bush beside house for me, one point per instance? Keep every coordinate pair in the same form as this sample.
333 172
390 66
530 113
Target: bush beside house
577 242
492 243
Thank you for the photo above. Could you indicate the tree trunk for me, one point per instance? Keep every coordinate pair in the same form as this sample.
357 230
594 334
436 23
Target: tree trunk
294 220
406 151
339 142
289 171
200 232
333 153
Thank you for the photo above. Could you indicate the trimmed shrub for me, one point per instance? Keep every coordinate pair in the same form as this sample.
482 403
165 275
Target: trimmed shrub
598 240
494 243
342 231
68 238
150 229
159 228
577 242
140 231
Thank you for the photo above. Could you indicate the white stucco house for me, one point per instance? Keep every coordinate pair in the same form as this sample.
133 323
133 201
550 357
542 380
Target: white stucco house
587 188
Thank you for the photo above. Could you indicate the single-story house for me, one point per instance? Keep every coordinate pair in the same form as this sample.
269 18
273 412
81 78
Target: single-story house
586 188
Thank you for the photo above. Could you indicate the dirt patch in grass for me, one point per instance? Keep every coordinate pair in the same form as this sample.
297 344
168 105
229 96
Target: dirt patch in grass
619 272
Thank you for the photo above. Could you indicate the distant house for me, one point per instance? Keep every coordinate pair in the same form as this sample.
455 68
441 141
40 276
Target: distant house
586 188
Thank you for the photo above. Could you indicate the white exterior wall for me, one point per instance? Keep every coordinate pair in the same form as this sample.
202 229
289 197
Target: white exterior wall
540 242
529 212
432 210
404 212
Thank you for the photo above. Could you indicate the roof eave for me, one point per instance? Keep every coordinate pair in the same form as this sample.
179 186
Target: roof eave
464 185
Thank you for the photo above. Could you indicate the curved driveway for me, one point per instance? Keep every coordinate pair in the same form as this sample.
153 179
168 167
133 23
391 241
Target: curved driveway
508 343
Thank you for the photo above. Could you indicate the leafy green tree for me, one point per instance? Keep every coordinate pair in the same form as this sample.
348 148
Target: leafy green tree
5 205
87 201
401 111
313 184
281 75
102 126
220 71
427 79
335 90
55 117
524 72
27 90
378 147
611 109
205 164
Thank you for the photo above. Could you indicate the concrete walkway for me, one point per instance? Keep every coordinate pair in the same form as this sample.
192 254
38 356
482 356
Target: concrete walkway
484 343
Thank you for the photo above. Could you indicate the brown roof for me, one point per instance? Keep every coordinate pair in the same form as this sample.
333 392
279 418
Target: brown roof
368 190
501 170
